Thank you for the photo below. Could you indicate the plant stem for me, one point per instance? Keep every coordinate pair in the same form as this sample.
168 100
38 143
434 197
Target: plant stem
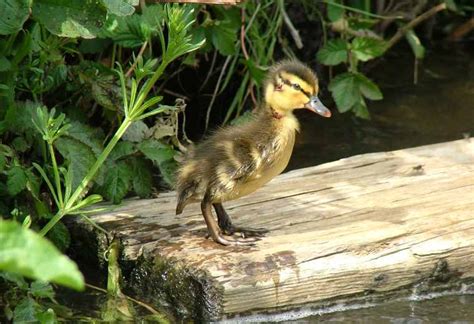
57 179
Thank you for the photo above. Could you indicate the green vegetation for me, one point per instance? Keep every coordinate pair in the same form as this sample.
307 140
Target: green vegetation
85 115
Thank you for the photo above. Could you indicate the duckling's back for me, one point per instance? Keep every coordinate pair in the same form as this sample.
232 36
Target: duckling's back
236 160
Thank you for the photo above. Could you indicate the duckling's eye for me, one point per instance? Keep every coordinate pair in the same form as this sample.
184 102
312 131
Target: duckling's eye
296 86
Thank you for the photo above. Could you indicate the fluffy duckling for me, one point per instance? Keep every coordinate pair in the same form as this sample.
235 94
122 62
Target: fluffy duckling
237 160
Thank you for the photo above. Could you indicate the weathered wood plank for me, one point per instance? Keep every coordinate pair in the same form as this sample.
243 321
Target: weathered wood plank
374 222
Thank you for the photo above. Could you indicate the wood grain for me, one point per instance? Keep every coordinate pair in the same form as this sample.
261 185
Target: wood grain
374 222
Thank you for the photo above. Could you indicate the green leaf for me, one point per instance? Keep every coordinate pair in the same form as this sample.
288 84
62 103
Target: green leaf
16 278
368 88
5 64
345 91
26 310
156 151
334 52
360 109
121 150
3 162
16 180
137 132
14 14
334 12
120 7
47 317
417 48
92 137
19 144
168 171
117 182
25 252
223 35
142 180
80 156
42 289
71 18
367 48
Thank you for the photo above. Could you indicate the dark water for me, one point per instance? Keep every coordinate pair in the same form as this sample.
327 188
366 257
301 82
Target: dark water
439 108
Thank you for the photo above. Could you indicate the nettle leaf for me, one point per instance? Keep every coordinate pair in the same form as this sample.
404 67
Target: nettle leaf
60 236
156 151
368 88
80 156
25 252
121 150
168 171
137 132
19 116
16 180
223 35
345 91
14 14
142 180
26 311
334 52
117 181
42 289
71 18
120 7
367 48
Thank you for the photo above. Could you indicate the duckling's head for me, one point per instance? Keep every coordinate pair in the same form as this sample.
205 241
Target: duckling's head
292 85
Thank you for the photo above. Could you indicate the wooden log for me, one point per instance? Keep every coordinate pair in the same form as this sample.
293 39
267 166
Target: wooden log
364 225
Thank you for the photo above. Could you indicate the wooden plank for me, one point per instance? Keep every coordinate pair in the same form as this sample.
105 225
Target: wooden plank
375 222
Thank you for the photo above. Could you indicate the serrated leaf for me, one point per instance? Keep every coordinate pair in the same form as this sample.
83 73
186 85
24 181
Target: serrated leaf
367 48
168 171
47 317
360 109
334 52
26 310
14 14
80 156
92 137
42 289
223 35
117 182
25 252
16 180
19 116
156 151
345 91
368 88
142 180
71 18
121 150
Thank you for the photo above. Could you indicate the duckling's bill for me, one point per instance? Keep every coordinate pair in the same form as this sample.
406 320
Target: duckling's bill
315 105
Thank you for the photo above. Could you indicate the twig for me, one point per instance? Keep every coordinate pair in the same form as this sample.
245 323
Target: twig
211 69
214 95
415 22
175 94
293 31
134 65
146 306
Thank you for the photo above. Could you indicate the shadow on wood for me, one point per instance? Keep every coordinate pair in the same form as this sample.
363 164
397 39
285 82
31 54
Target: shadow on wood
368 224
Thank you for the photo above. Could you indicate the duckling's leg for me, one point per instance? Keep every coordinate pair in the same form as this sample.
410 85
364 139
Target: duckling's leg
214 230
225 224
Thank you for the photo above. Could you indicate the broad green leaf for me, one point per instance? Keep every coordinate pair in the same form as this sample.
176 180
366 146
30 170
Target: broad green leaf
168 171
16 180
258 75
92 137
16 278
137 132
334 52
121 150
156 151
345 91
26 310
13 15
20 145
120 7
47 317
223 35
42 289
368 88
367 48
117 181
334 12
417 48
3 162
142 180
71 18
19 116
80 156
5 64
360 109
25 252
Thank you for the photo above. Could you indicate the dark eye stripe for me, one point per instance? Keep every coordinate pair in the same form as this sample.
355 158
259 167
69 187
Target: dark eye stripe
294 86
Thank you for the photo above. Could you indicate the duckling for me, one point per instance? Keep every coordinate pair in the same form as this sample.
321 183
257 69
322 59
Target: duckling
237 160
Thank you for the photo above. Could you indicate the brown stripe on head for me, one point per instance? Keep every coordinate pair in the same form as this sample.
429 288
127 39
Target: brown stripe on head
293 67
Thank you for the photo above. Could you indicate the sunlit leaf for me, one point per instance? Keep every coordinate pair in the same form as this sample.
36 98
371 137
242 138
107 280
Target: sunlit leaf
367 48
417 48
334 52
345 91
368 88
156 151
25 252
